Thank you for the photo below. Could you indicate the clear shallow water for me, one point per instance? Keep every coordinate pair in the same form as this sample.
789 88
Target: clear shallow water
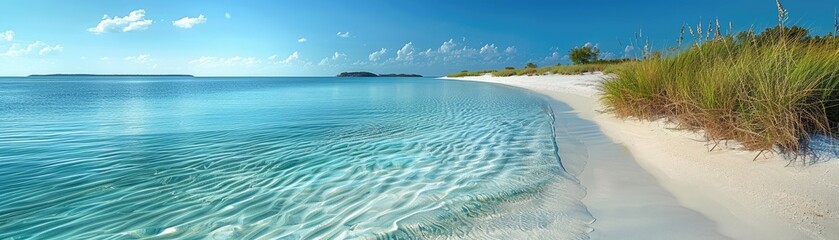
287 158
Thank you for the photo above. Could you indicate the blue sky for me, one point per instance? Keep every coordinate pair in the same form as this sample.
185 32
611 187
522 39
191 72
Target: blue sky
296 38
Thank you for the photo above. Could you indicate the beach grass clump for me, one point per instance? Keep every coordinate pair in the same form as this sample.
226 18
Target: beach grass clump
538 71
466 73
768 95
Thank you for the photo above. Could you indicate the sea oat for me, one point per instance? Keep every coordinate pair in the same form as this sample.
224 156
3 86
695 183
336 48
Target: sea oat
782 13
730 28
708 33
699 30
835 23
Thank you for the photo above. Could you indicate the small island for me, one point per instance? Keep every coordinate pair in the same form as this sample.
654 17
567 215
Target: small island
369 74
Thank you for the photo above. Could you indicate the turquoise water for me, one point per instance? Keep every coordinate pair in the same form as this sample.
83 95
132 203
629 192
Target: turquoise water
279 158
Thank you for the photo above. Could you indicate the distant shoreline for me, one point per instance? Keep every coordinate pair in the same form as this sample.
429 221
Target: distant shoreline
111 75
369 74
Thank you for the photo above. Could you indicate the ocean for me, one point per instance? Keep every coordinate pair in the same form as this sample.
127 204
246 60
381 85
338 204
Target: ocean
280 158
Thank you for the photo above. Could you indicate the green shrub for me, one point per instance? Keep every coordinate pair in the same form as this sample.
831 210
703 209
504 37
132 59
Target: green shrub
584 55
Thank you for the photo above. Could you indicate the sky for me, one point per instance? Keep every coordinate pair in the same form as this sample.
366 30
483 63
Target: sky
323 38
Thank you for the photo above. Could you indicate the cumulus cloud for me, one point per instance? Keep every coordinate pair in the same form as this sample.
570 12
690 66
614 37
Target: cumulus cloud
427 53
628 50
139 59
208 61
135 21
293 58
406 53
447 46
189 22
105 59
343 34
46 50
41 47
510 50
555 57
335 57
375 56
450 51
302 40
227 15
8 35
489 50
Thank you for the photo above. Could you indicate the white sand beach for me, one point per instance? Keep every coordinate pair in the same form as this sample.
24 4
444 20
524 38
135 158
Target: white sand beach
670 180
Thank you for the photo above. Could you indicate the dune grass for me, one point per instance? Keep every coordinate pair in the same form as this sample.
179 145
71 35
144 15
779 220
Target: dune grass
466 73
768 96
564 70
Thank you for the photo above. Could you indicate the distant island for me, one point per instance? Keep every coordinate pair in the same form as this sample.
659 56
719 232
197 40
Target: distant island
369 74
111 75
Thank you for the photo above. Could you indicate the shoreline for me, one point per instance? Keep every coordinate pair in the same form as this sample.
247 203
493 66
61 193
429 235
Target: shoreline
745 199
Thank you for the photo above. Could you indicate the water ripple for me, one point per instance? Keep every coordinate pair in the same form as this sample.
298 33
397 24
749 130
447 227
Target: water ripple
280 159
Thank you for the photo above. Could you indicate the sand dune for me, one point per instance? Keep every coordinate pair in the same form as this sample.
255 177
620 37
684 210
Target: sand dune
762 199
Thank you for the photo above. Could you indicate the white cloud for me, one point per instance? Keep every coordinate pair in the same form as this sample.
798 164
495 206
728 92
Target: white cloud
135 21
447 46
189 22
338 55
137 26
628 50
139 59
464 52
343 34
554 58
43 49
427 53
449 52
48 50
489 50
510 50
105 59
291 58
588 44
302 40
406 53
607 55
335 57
207 61
375 56
8 35
227 15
